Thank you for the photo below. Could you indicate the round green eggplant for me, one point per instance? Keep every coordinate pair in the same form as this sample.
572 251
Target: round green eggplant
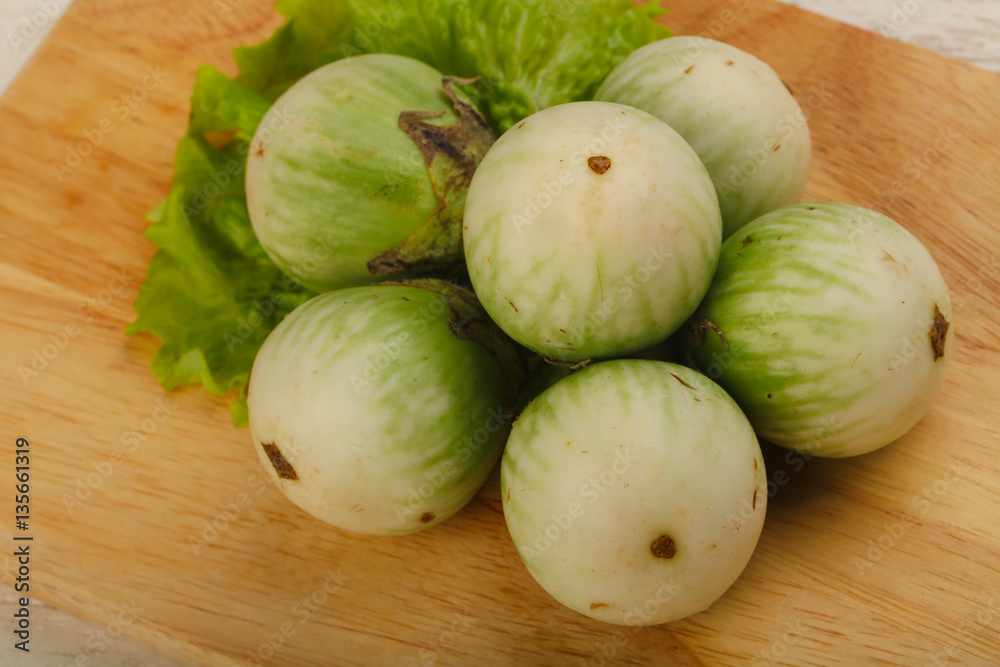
333 181
591 230
733 109
634 491
371 411
830 326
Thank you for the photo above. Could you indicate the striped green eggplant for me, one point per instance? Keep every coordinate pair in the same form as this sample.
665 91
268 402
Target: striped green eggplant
830 326
634 491
733 109
381 409
591 230
360 171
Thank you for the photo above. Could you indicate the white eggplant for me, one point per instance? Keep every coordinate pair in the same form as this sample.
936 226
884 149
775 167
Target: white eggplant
634 491
733 109
591 230
378 409
830 326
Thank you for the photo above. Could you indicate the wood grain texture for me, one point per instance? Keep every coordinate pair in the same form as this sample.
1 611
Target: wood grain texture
963 29
157 504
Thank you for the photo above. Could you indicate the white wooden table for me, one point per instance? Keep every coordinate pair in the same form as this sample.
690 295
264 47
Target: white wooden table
965 29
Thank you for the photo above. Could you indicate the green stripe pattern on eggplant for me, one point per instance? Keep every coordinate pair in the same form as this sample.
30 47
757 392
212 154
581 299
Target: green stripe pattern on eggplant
332 181
733 109
370 413
591 230
634 491
830 326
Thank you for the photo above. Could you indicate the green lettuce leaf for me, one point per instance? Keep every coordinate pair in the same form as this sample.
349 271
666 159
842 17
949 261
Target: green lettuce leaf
211 294
531 54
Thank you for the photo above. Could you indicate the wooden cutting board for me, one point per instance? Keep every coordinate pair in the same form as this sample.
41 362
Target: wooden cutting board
150 515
